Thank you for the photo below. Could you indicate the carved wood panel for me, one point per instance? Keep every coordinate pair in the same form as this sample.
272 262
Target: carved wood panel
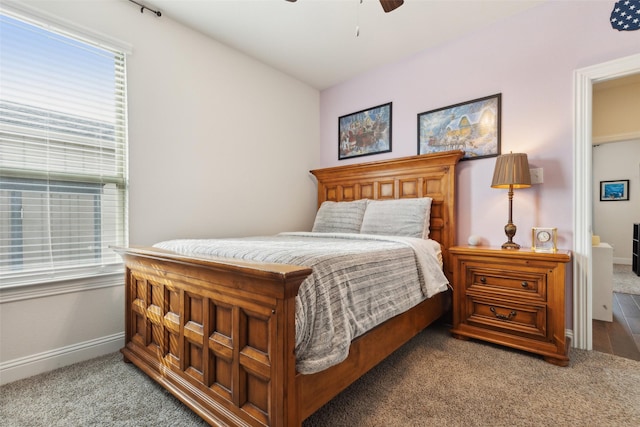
224 344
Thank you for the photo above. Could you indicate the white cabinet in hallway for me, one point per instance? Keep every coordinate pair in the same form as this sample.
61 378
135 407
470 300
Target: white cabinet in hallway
603 282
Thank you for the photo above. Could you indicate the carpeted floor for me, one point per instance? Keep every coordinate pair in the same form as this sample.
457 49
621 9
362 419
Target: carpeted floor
625 280
432 380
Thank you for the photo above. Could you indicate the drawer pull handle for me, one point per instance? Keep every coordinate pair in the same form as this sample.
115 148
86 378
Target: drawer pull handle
502 316
483 279
525 284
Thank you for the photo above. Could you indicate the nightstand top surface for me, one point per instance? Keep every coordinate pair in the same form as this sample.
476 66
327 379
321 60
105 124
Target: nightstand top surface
560 255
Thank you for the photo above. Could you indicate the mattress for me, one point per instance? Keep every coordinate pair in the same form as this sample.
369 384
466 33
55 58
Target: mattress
358 281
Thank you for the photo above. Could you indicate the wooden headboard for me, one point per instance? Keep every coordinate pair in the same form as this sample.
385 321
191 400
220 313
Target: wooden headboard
428 175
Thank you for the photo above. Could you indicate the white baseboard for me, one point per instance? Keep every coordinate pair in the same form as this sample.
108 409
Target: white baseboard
24 367
569 334
623 261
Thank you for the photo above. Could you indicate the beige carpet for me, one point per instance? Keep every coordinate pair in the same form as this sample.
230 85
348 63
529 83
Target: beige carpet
434 380
625 280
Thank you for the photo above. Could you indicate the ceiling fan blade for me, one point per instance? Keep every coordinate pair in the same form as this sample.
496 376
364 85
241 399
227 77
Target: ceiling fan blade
389 5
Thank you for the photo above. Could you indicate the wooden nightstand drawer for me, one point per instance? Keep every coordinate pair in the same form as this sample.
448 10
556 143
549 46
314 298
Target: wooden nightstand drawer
519 284
507 316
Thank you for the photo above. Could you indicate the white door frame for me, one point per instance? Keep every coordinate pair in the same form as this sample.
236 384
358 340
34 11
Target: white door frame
584 79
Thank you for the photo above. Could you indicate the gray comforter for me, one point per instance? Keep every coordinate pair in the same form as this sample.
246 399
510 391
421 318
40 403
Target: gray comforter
358 282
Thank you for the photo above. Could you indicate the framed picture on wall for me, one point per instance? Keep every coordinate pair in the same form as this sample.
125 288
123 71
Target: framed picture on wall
614 191
365 132
472 126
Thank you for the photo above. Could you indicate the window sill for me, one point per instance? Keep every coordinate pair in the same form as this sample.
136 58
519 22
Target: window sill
63 286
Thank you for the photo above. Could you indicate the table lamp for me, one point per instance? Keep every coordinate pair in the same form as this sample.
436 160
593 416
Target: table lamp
511 171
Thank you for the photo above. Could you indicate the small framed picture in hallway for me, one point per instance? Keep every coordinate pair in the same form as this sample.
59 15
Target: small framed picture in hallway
613 191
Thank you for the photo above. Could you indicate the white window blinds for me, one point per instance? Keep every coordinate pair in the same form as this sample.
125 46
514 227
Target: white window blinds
63 165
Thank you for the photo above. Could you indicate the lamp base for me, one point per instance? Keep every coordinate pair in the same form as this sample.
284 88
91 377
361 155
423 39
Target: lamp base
510 245
510 231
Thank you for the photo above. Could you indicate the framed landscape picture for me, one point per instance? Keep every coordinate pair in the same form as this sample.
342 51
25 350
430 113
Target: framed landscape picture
472 126
365 132
613 191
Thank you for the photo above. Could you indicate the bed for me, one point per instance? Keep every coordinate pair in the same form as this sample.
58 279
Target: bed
220 333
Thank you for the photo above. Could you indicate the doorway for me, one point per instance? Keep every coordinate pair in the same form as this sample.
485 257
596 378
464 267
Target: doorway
582 189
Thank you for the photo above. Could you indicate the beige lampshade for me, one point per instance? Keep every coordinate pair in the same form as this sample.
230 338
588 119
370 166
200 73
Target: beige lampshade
511 170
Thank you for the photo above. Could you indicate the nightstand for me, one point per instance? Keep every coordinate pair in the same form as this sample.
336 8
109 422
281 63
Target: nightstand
514 298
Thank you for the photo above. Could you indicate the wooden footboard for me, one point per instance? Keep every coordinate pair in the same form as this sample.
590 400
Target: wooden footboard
218 334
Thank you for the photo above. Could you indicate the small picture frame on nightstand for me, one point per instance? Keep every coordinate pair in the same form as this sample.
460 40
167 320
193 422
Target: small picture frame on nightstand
544 239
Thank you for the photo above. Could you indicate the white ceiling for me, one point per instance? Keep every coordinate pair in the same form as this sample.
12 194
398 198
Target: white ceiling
315 40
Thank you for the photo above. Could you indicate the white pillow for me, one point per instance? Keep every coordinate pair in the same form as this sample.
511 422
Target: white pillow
340 217
398 217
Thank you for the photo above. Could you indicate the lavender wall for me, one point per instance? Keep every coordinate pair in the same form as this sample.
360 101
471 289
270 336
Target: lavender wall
529 58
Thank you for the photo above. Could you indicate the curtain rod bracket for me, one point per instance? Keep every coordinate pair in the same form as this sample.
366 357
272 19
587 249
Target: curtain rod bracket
143 7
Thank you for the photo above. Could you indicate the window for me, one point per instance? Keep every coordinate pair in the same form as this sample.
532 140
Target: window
63 144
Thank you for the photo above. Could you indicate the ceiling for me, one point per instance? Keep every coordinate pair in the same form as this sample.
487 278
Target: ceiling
315 41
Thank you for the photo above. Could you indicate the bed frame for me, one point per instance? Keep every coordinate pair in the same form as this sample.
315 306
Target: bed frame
219 334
